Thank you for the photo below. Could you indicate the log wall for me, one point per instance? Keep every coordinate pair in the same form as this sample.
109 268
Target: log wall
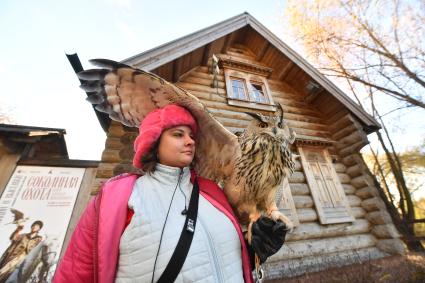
350 139
371 235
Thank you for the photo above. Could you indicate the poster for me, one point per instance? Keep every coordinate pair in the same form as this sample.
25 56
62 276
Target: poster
35 210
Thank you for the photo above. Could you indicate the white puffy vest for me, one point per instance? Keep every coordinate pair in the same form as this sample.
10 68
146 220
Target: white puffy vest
215 252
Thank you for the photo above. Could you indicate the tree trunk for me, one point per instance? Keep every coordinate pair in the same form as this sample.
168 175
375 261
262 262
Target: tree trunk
381 173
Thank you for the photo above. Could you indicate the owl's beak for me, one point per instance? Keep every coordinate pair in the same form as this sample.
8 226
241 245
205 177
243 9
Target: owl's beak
274 130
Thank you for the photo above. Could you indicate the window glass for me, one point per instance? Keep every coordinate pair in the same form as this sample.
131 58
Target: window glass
238 87
257 93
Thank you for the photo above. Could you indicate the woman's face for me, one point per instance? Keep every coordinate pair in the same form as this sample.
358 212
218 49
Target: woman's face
176 147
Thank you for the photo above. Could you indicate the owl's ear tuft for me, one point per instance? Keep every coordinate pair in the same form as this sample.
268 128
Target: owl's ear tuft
255 116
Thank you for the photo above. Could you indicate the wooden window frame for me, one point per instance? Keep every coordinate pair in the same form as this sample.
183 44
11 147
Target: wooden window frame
328 212
249 79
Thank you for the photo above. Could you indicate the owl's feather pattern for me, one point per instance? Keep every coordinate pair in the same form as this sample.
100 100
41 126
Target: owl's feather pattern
260 164
264 161
251 167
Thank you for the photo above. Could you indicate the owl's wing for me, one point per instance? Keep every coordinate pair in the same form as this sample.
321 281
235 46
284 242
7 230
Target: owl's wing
128 95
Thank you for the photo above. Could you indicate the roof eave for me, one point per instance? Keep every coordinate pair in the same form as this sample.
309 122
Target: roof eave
172 50
36 133
27 129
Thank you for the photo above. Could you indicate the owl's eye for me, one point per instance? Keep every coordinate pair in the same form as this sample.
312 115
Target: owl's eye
280 125
263 125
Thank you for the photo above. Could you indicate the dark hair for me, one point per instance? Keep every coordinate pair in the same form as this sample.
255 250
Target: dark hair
38 222
150 159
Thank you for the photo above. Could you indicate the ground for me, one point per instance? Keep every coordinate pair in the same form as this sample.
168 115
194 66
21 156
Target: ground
398 269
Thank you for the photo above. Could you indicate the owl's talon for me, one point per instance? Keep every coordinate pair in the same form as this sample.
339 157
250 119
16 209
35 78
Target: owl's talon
277 215
249 233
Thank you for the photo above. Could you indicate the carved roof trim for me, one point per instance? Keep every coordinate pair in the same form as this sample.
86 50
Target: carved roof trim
228 62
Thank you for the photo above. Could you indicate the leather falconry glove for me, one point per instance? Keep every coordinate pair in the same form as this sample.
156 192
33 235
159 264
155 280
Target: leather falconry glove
268 237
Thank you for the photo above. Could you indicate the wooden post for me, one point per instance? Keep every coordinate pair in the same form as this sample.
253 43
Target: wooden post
7 166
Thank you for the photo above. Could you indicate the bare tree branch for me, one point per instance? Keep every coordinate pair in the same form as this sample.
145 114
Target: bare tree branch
372 56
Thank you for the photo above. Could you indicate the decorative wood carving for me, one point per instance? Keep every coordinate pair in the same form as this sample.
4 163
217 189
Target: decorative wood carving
244 65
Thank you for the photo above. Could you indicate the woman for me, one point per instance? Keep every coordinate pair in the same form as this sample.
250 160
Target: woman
130 230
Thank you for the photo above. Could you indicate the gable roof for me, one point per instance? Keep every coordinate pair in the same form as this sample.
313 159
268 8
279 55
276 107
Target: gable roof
153 59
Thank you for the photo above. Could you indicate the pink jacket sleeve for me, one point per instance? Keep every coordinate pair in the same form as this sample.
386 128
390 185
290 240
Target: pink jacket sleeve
77 263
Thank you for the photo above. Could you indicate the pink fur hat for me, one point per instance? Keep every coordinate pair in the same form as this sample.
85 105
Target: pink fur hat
155 123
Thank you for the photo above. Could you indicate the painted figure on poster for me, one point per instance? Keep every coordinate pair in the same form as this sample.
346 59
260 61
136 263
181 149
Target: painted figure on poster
20 246
37 266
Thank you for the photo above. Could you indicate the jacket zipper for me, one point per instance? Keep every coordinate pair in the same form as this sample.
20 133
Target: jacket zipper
211 245
95 238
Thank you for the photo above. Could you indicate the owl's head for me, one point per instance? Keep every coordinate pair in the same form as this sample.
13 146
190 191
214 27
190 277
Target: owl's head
273 126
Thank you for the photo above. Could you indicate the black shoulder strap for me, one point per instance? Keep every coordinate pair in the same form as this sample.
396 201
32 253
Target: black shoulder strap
182 249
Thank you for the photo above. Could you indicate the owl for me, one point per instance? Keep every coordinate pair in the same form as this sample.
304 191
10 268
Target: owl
264 160
250 166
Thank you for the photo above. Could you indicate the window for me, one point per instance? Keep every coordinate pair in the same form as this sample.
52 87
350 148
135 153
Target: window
256 91
328 195
246 84
248 90
238 89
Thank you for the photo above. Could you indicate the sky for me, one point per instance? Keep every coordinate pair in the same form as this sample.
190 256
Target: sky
39 87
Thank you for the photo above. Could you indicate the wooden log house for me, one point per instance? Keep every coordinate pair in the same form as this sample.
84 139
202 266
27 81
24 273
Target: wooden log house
332 198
